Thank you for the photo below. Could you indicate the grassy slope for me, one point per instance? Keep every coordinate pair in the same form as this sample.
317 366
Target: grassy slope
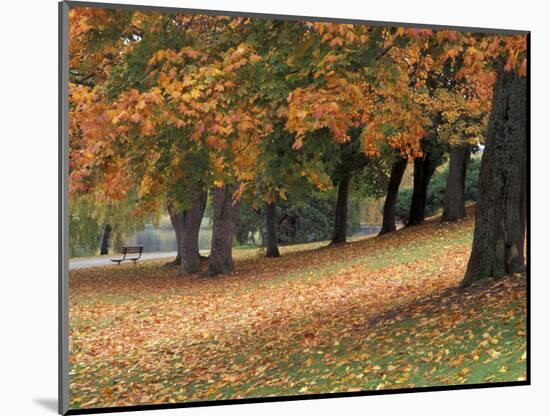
377 313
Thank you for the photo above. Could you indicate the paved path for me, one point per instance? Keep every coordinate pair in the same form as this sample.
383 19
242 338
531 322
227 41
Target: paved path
83 263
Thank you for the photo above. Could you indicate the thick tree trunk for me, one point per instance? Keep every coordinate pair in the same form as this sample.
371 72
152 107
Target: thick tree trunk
225 211
396 176
453 207
176 218
424 168
189 235
500 220
106 239
341 212
272 249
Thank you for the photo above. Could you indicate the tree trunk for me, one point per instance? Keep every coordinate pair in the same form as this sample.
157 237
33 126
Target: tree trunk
189 235
453 206
500 220
341 213
225 211
106 239
176 218
272 249
396 176
424 168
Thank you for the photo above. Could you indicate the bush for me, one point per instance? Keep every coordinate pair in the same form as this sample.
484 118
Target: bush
309 220
436 191
250 224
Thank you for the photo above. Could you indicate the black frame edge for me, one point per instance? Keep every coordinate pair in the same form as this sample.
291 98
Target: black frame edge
63 232
169 9
210 403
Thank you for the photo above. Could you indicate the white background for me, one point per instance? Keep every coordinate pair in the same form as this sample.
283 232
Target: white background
28 205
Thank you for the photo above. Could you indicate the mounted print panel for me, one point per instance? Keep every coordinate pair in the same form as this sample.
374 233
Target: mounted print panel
263 207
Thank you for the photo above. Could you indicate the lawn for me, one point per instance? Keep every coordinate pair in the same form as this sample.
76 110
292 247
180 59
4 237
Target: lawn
376 313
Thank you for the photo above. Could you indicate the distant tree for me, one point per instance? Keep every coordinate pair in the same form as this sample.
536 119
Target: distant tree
399 166
85 229
313 219
433 155
98 225
106 239
308 219
435 197
351 159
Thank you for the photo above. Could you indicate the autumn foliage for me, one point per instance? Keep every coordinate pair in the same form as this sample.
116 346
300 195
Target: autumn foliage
214 87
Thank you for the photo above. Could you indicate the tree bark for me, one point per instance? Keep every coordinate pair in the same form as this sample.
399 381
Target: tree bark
453 206
272 249
189 235
176 218
225 211
396 176
500 219
341 212
106 239
424 168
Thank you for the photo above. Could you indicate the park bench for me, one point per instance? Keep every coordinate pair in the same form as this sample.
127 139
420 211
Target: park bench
132 251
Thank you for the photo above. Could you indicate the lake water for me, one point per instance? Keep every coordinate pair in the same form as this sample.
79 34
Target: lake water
161 239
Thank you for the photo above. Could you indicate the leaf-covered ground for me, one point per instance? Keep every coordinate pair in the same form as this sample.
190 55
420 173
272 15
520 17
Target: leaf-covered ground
377 313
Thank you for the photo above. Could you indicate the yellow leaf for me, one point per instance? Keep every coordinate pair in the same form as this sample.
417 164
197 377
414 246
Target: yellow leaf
195 93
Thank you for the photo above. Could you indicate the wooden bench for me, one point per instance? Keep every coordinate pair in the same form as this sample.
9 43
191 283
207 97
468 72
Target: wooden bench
129 250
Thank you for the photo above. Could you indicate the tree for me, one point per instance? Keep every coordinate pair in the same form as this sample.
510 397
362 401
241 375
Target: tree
98 224
435 199
500 221
358 174
454 207
106 240
464 107
220 260
352 159
176 219
341 212
189 234
184 95
168 106
397 171
424 168
272 247
85 227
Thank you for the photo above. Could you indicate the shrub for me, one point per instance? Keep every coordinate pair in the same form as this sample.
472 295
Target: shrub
301 222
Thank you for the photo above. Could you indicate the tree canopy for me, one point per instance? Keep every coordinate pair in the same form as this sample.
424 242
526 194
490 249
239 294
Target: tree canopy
164 106
159 99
